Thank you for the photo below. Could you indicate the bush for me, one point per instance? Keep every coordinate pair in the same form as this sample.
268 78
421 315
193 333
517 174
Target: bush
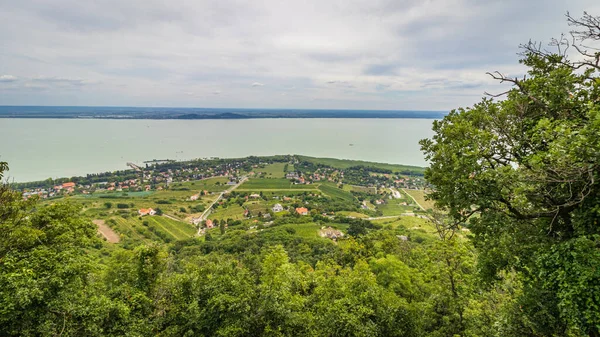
163 202
121 205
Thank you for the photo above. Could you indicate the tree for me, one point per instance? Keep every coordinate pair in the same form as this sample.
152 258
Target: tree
44 288
108 205
522 173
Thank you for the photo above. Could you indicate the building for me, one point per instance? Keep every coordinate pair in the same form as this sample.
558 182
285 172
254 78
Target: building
277 208
331 233
209 223
254 195
146 211
194 197
302 210
68 185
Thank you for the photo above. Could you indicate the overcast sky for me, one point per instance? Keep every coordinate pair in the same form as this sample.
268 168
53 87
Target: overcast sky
346 54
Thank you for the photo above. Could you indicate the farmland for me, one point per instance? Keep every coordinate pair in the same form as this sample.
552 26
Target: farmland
419 196
335 192
257 184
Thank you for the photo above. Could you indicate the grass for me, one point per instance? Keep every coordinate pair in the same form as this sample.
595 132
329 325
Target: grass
209 184
258 184
178 230
393 207
273 170
419 196
344 163
234 212
335 192
352 214
363 189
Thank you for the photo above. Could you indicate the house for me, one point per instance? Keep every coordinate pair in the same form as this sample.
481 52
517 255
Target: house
68 185
246 212
146 211
302 210
330 233
291 175
277 208
379 202
254 195
197 220
209 223
194 197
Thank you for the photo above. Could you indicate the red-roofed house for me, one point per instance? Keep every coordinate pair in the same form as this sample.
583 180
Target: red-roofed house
209 223
68 185
302 210
146 211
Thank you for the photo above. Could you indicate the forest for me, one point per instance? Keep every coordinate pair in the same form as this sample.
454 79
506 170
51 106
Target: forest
512 247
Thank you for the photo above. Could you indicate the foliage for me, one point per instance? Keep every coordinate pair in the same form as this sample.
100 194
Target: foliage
528 168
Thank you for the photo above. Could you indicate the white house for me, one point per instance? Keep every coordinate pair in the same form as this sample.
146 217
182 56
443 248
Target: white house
277 208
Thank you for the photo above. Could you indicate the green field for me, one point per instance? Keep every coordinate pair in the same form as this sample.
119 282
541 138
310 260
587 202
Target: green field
362 189
311 230
209 184
393 207
273 170
257 184
343 163
159 228
335 192
234 212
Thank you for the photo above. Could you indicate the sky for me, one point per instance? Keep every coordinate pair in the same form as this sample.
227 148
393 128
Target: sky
338 54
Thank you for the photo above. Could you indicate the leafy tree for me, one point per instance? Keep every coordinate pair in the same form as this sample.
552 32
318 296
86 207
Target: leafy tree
523 174
44 289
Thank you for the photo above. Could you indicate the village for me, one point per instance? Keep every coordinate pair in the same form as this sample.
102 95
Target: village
175 200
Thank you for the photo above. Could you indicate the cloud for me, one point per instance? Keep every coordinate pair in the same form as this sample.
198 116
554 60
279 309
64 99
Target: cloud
61 81
8 78
363 54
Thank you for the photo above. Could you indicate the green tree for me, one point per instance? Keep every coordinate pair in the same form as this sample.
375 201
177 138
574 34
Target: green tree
44 267
522 173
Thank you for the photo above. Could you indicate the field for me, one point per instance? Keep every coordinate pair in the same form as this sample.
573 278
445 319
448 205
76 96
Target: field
258 184
362 189
234 212
393 207
158 228
311 230
419 196
216 184
273 170
335 192
343 163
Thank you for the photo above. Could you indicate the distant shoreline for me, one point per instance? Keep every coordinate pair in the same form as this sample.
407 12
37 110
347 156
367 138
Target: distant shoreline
56 112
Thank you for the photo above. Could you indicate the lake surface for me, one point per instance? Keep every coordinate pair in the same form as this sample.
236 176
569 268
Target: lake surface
37 149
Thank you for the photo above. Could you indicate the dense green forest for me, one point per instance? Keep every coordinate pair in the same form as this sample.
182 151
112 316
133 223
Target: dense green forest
513 248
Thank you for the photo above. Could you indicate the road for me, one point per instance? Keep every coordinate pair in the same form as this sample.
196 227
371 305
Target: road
206 213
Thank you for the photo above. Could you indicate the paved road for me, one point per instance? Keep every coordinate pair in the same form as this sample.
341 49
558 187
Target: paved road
206 213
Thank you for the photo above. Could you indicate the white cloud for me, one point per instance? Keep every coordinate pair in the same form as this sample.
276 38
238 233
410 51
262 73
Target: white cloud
257 84
8 78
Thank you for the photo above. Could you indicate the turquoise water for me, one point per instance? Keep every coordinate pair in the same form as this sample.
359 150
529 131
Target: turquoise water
37 149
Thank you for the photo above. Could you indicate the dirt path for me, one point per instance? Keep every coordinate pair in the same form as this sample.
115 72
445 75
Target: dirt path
413 198
106 231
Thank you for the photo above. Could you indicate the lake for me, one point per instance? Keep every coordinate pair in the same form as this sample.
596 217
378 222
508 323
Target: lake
37 149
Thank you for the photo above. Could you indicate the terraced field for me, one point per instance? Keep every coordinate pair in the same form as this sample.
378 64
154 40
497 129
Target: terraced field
158 228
